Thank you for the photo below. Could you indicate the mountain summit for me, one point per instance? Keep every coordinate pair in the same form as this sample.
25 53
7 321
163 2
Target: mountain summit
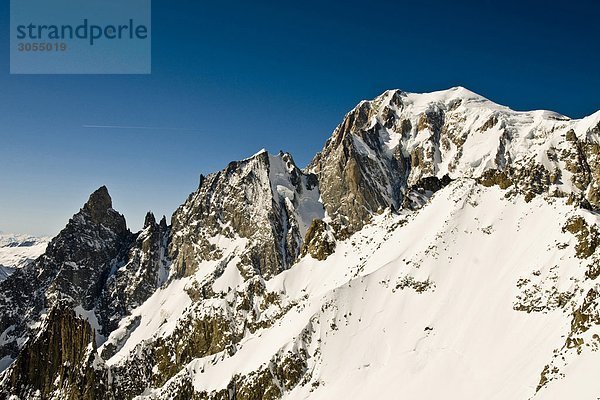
399 141
436 237
99 208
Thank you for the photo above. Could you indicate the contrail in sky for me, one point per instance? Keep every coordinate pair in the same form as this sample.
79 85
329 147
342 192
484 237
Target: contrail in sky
151 128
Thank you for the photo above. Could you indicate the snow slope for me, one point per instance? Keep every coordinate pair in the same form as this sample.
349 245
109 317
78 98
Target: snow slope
422 305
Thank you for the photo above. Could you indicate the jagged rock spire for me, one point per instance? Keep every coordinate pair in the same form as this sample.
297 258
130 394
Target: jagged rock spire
99 201
99 208
163 222
149 220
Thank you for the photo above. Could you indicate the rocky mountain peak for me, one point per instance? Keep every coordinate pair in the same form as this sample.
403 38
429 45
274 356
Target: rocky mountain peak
163 222
99 208
149 220
72 270
264 201
385 149
99 202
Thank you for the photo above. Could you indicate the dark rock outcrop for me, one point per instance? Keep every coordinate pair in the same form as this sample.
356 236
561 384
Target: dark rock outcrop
73 270
144 269
319 241
61 361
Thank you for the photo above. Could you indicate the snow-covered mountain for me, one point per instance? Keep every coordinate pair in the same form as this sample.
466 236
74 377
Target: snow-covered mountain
440 245
17 250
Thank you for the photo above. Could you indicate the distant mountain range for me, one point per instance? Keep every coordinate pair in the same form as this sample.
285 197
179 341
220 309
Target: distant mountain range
438 246
18 250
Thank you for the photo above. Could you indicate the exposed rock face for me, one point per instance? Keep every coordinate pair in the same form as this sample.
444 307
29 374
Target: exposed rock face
319 241
74 268
60 362
95 266
99 208
588 237
281 375
358 175
145 269
84 251
266 203
211 327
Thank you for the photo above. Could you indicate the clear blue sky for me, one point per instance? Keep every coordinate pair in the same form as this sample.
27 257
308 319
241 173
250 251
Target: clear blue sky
280 75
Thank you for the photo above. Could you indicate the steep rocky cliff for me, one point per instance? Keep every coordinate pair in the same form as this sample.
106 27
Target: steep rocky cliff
73 269
60 362
264 203
143 270
90 276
